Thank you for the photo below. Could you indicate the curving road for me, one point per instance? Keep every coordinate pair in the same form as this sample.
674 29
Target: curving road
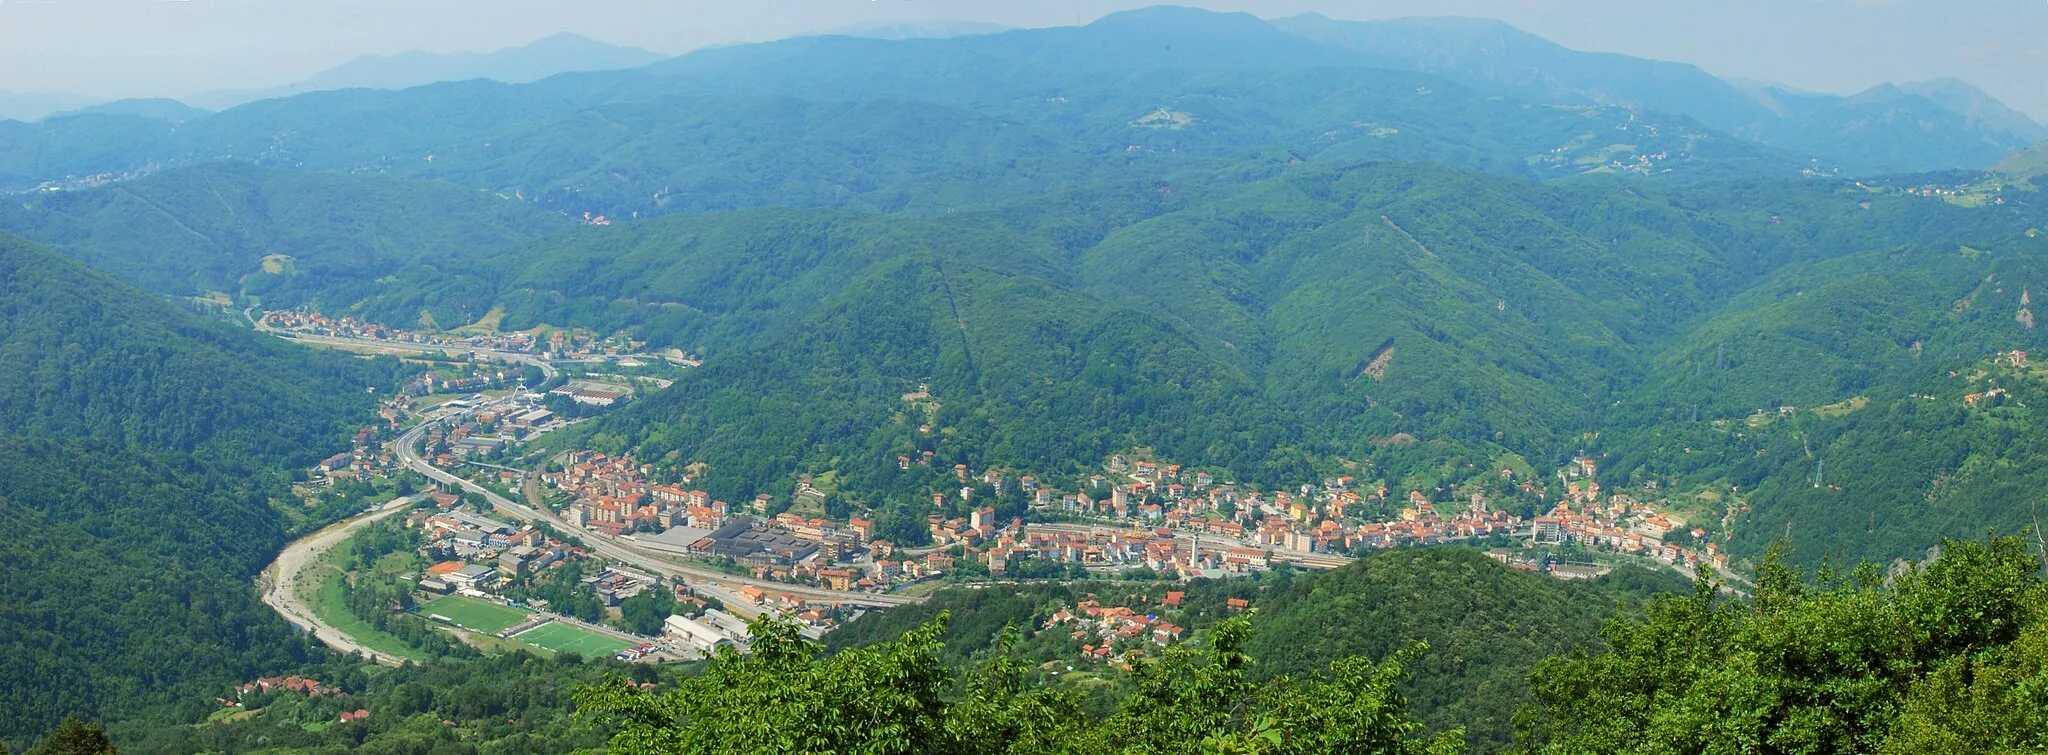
282 579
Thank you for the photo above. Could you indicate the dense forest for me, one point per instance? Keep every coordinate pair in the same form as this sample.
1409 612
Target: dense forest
142 450
1219 312
1230 332
1487 625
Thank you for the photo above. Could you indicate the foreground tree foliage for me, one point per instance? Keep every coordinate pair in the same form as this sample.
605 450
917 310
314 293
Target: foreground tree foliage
1951 657
74 737
898 697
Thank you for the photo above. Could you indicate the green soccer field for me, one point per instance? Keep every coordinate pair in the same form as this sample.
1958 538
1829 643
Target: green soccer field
477 615
565 638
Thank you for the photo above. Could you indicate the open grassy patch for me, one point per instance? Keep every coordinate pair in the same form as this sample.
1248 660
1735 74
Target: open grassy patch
1844 408
477 615
323 591
486 325
568 638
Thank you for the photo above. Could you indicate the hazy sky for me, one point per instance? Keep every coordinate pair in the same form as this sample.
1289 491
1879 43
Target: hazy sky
178 47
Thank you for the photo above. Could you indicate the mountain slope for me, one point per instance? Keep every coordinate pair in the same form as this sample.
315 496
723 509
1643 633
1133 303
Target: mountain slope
852 116
154 109
921 30
140 451
287 237
26 107
1230 331
88 356
559 54
1935 125
1487 627
1984 110
1494 56
2026 165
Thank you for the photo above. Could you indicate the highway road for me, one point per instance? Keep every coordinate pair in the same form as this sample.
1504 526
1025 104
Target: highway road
614 548
621 550
284 577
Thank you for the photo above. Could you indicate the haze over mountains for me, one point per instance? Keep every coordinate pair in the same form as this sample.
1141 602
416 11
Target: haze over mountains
562 53
1439 256
1883 128
1914 127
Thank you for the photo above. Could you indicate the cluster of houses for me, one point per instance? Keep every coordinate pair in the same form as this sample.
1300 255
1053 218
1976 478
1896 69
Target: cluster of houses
471 431
612 495
882 569
1138 513
366 458
298 684
476 552
1110 634
294 683
557 344
1620 525
1333 517
479 379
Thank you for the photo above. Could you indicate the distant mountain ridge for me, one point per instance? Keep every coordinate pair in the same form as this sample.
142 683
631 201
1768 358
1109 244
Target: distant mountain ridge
156 108
561 53
1456 91
902 30
1921 126
29 107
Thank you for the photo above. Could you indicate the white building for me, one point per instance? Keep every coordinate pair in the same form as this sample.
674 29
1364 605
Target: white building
698 634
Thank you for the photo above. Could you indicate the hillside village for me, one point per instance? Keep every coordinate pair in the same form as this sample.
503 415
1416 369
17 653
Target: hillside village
556 344
1137 514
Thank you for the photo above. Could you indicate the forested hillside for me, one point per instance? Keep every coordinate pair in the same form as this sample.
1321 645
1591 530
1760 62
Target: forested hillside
284 238
2028 164
1222 313
1487 626
1918 126
851 117
1232 330
1946 656
1173 80
141 448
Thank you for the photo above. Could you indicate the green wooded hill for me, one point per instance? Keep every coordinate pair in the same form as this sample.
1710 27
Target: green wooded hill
1220 312
836 119
1945 656
1487 626
284 238
2027 164
1233 330
853 114
141 449
1915 126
